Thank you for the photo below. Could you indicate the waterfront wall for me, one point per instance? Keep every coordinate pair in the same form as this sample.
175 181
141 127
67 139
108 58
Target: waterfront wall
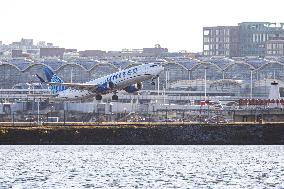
145 135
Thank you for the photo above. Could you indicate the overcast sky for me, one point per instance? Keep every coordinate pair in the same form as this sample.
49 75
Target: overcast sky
117 24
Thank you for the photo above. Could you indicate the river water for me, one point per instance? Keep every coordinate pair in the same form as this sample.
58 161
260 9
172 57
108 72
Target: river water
141 166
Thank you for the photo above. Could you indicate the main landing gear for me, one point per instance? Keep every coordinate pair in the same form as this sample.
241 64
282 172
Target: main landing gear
114 97
99 97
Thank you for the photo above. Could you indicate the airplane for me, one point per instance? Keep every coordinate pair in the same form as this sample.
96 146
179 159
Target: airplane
129 80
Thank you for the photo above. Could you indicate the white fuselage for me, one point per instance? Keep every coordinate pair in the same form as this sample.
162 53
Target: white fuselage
120 79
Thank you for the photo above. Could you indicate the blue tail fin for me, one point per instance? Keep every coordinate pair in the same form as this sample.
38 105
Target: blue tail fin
52 77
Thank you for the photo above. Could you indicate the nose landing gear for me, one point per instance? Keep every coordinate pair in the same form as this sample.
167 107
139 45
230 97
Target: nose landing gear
152 81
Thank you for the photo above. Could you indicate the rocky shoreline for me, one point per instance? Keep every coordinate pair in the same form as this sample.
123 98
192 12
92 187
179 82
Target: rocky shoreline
137 134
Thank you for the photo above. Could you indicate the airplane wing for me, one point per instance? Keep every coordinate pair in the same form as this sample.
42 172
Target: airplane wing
78 86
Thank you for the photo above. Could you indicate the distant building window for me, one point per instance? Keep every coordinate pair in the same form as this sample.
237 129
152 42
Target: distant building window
264 37
228 32
206 47
206 32
206 39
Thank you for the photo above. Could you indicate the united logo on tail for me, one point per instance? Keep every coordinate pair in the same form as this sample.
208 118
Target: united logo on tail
52 77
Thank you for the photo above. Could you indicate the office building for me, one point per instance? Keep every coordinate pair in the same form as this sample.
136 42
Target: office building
17 53
254 35
221 41
275 47
158 50
91 53
52 52
246 39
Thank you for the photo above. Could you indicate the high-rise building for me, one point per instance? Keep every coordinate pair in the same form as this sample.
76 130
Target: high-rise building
27 42
221 41
246 39
275 47
254 35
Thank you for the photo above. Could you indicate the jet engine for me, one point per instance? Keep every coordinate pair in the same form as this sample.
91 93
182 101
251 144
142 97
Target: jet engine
105 87
133 88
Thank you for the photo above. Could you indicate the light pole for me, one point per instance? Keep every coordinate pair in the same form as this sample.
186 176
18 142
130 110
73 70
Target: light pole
158 80
124 114
251 70
205 90
38 111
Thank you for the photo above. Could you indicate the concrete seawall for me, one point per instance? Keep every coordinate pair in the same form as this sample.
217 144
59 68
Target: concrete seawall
170 134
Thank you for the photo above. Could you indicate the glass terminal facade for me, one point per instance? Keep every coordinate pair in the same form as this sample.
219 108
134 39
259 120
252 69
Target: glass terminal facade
259 70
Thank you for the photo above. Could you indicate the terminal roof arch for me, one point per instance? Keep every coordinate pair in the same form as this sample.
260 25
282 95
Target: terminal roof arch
22 64
87 64
270 62
240 63
177 63
189 64
122 64
256 63
70 64
53 63
36 64
203 63
9 64
222 63
133 64
103 63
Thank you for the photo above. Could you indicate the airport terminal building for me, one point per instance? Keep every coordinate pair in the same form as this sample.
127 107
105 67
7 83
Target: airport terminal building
239 76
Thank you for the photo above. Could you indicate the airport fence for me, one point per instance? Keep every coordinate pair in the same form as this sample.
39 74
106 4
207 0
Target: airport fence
65 117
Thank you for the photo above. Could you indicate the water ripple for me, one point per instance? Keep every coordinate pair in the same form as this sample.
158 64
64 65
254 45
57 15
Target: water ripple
142 166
